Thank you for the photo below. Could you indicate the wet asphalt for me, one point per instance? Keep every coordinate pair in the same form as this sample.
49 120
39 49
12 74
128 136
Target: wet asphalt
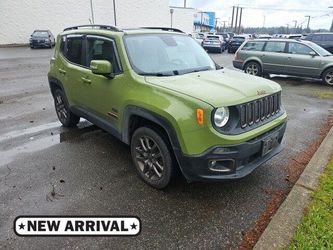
46 169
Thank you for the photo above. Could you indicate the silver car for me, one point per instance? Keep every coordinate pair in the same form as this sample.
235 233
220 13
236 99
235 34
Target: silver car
285 57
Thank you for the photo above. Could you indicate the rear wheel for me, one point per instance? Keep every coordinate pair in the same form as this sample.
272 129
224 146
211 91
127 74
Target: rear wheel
328 77
152 157
253 68
65 116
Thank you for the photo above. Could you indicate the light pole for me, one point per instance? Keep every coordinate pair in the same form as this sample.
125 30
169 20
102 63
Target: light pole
331 28
308 26
295 21
92 12
171 13
114 13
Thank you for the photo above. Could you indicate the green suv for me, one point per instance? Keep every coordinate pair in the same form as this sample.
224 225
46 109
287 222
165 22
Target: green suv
285 57
159 92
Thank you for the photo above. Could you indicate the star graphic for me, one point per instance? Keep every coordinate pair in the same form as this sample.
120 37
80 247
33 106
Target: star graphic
133 226
21 226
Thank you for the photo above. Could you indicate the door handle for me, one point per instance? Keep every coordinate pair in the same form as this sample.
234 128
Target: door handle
86 80
62 71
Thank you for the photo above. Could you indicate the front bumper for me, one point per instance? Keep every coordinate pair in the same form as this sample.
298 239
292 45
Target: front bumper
40 43
241 159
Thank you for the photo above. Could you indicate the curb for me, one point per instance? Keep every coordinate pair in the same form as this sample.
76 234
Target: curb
281 228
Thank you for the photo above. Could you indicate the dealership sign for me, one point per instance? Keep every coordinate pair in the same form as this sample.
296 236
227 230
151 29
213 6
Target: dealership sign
77 226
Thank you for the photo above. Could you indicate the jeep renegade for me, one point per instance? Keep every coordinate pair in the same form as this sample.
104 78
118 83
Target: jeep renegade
160 92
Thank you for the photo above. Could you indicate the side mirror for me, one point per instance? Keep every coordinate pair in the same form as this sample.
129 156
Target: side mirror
312 53
101 67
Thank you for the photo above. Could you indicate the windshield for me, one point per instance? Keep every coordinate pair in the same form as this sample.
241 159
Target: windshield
40 34
320 50
166 54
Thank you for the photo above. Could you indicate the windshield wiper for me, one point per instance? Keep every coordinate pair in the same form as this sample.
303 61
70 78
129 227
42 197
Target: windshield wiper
158 74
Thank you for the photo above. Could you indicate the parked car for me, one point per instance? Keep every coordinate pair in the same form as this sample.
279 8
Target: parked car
199 37
214 43
324 40
161 93
235 43
286 57
264 36
41 39
293 36
231 34
226 36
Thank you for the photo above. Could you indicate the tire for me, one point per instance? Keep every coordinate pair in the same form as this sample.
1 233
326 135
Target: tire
152 157
65 115
253 68
328 77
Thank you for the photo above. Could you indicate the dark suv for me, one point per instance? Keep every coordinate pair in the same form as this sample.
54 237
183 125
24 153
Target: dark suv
324 40
41 39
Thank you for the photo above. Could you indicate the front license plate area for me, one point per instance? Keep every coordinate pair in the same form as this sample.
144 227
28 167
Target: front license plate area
269 144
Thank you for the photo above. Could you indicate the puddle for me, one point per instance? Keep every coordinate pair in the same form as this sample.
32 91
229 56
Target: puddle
29 147
37 139
28 131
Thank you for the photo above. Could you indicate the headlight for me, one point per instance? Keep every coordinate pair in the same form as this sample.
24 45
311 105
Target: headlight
221 116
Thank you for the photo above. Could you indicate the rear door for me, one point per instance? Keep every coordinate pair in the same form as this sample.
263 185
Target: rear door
300 62
273 57
70 68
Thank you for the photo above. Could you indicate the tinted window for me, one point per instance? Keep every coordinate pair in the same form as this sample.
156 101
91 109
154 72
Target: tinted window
254 46
275 46
73 51
327 38
300 49
317 38
100 49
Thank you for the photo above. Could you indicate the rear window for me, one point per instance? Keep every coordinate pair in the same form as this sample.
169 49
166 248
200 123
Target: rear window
240 38
213 37
254 46
275 46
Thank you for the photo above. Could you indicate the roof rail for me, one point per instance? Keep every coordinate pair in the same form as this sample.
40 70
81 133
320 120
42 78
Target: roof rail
99 26
164 29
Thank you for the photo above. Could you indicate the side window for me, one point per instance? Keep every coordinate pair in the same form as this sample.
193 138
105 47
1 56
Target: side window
254 46
73 50
275 46
327 38
317 38
300 49
102 49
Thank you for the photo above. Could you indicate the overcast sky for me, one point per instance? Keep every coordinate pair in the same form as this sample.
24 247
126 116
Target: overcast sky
274 12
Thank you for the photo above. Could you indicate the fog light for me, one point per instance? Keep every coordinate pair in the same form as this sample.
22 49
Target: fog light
212 164
225 165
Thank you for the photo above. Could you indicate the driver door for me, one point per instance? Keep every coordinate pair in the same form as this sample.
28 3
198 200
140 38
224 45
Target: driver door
299 62
101 94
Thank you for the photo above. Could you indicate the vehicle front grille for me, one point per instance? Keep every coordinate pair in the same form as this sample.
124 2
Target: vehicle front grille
259 110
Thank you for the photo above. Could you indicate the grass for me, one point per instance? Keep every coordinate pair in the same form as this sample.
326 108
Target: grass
324 95
316 228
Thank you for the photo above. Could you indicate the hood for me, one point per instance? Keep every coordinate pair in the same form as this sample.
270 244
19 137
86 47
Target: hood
218 87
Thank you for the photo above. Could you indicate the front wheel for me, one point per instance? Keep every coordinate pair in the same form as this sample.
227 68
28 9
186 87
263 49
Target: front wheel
152 157
253 68
328 77
65 115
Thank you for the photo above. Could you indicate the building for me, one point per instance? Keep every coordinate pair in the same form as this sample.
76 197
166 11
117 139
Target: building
19 18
